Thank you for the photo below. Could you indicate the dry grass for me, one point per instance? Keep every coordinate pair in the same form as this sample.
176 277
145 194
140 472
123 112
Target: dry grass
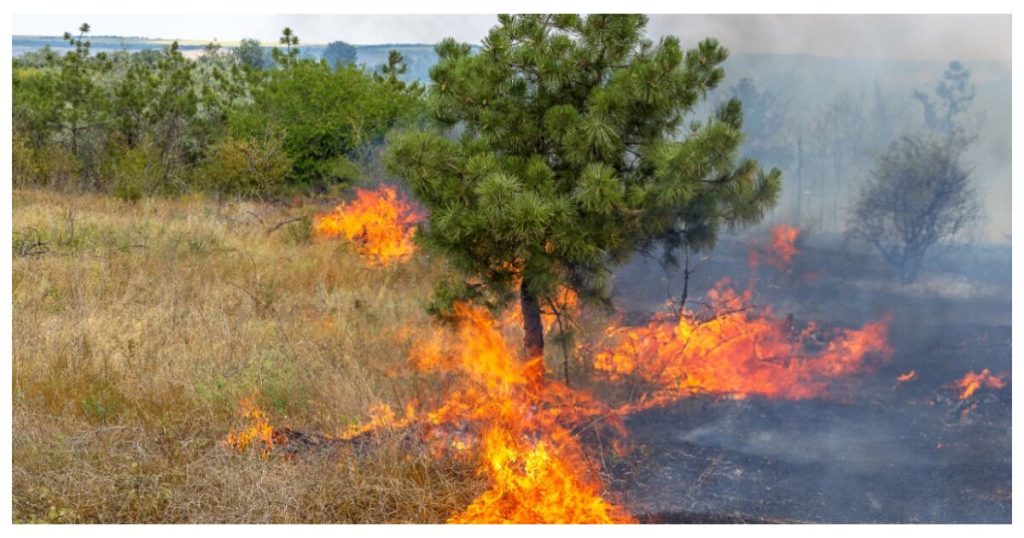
138 328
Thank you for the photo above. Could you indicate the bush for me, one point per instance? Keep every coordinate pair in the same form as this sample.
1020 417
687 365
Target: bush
251 166
327 116
920 193
134 172
50 165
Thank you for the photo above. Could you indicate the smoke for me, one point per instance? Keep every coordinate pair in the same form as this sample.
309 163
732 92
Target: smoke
889 37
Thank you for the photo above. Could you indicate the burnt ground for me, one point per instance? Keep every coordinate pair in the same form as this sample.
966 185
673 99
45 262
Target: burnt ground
887 453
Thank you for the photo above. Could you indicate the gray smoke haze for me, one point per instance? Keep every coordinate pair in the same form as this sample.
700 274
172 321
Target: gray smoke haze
894 37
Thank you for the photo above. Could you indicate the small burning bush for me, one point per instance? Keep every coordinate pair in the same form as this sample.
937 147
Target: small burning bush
379 222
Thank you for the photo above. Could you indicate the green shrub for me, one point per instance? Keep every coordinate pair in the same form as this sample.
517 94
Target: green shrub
327 117
50 165
252 166
134 172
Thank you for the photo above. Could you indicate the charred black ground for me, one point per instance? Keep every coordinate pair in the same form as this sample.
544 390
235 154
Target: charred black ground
888 452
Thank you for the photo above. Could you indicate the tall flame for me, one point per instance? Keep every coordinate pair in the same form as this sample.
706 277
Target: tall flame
380 223
537 468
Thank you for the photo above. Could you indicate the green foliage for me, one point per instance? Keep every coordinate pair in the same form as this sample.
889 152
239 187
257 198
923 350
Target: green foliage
560 149
250 167
340 54
134 171
289 55
326 116
46 165
250 53
156 122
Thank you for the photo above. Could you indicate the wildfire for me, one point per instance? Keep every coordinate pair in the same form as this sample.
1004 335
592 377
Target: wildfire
565 301
781 251
970 383
382 416
259 434
524 426
380 224
535 484
903 378
738 351
537 467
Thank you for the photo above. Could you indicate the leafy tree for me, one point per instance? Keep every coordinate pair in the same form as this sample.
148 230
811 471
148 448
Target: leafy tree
560 149
326 116
36 58
920 194
339 53
249 52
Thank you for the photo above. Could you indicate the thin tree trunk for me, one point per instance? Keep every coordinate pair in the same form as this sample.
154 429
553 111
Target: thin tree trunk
799 180
533 329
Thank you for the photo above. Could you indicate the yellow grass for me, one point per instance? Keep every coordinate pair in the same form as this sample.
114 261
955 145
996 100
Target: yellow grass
138 328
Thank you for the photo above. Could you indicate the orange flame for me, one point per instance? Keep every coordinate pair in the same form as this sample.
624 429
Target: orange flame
564 301
535 484
380 224
259 434
903 378
971 382
781 251
521 421
738 352
524 425
381 417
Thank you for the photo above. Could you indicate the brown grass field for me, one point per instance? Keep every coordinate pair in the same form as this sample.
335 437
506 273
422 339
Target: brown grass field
137 330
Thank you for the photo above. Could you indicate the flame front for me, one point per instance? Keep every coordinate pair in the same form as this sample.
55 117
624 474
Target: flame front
380 224
739 351
972 382
524 426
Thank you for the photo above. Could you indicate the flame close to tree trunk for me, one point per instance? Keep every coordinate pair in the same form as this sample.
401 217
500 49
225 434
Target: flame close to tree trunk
524 427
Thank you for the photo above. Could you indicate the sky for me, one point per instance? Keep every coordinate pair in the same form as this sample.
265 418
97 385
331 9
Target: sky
902 37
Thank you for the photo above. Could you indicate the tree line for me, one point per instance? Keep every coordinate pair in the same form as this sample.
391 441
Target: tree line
238 122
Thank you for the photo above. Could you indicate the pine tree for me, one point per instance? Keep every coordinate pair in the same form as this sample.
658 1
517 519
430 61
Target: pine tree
288 39
561 149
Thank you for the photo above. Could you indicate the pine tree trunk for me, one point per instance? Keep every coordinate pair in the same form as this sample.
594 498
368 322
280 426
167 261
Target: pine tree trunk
533 329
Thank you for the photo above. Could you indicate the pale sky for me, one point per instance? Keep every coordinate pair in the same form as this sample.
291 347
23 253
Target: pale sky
910 37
